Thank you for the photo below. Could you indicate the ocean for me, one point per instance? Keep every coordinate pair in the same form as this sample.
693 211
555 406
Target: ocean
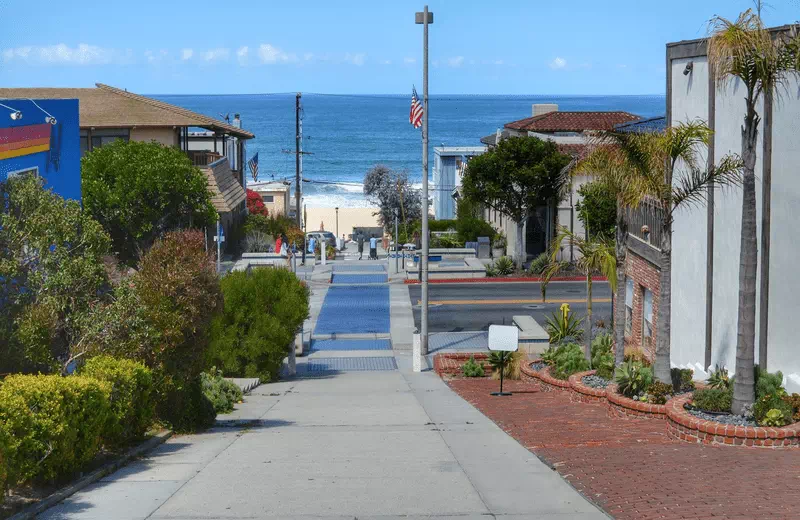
349 134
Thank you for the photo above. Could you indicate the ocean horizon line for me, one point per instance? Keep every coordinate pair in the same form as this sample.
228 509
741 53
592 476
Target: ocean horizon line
406 94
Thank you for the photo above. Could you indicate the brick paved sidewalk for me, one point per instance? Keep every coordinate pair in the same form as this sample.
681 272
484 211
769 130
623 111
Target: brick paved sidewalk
631 468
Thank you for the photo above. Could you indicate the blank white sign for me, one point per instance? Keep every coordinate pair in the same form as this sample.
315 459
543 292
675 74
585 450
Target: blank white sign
503 338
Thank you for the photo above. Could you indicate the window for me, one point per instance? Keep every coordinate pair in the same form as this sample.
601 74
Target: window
647 315
91 139
628 306
26 171
268 198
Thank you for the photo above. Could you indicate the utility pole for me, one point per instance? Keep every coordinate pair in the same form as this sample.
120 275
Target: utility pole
425 18
299 165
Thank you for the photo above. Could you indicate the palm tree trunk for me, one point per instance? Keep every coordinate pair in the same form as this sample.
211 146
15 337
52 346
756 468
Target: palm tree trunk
743 388
589 318
662 363
520 256
619 300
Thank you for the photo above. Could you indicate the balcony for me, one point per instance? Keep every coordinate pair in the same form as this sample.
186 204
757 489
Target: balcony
202 158
644 222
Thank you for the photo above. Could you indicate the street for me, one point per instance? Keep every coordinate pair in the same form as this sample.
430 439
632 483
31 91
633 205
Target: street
475 306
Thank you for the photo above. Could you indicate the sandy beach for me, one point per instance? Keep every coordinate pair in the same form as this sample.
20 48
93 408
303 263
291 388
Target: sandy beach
348 218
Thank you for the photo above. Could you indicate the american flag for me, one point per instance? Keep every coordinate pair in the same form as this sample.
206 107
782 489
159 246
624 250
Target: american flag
415 117
253 164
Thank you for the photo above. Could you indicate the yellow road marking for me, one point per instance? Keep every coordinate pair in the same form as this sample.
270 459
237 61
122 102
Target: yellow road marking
512 302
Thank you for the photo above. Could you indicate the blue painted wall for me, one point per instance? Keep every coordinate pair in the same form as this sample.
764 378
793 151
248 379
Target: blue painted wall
65 179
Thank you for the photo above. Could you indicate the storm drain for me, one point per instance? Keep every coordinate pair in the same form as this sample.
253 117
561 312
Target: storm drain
320 366
319 345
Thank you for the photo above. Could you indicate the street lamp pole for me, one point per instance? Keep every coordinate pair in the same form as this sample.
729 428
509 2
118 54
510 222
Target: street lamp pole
425 18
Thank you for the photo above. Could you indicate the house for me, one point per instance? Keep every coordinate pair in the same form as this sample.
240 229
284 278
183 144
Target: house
572 131
108 113
275 194
41 138
706 241
449 164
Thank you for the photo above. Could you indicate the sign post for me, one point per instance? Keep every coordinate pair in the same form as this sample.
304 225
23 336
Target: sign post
503 339
219 239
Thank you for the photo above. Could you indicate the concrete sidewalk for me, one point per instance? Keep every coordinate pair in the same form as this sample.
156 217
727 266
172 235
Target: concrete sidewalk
367 445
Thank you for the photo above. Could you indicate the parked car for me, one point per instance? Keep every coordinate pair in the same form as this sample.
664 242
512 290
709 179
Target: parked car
323 236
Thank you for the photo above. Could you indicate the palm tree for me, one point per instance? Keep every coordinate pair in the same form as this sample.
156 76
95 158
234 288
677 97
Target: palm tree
676 151
597 255
745 50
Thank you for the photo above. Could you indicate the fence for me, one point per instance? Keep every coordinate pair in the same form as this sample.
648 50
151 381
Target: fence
645 221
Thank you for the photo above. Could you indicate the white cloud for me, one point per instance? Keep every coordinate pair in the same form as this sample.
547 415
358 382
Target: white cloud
270 54
558 63
186 54
156 56
386 62
218 54
409 61
308 56
455 61
355 59
242 53
82 54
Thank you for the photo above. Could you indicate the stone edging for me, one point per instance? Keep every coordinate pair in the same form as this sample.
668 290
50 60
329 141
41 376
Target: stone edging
585 394
622 407
527 373
549 383
686 427
35 509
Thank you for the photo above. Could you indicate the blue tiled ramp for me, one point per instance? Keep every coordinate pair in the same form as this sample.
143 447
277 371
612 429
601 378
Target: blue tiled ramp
355 310
349 364
358 278
360 267
320 345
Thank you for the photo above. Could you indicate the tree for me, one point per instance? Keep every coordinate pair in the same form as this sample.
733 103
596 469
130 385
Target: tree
596 257
255 205
597 209
519 175
138 191
744 50
392 192
51 272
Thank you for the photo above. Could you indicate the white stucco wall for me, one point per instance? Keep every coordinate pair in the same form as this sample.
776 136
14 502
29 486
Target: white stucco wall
784 353
687 340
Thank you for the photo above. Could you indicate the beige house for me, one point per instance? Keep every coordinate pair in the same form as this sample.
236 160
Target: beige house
275 195
108 114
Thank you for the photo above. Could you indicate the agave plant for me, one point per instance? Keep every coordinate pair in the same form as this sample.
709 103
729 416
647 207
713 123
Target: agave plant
719 378
504 265
633 379
511 360
561 326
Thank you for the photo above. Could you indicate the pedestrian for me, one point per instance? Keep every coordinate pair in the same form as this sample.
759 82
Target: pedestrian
312 244
373 248
360 245
284 249
278 244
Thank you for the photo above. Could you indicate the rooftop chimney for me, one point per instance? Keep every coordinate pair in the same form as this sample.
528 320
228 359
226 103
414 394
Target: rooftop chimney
238 122
543 108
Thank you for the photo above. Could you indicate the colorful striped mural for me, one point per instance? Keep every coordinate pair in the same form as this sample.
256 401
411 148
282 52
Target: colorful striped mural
24 140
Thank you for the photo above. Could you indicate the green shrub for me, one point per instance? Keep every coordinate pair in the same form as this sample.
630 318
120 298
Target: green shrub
712 399
633 378
564 327
659 392
222 393
53 424
719 379
682 379
504 265
512 362
794 402
491 271
131 398
538 264
774 418
189 408
262 313
769 402
567 360
768 384
548 356
472 368
603 356
3 459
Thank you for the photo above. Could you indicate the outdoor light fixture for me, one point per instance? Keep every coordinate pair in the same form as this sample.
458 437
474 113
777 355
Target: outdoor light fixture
16 115
51 120
48 116
689 68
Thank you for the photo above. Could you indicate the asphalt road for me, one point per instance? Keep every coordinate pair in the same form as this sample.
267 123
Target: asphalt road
475 306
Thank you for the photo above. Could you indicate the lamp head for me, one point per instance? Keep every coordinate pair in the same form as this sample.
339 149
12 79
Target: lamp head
689 68
16 115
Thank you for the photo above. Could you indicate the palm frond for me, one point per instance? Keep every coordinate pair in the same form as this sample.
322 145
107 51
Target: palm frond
691 187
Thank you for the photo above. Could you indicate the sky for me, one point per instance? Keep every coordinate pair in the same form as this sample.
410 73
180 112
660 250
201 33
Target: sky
354 47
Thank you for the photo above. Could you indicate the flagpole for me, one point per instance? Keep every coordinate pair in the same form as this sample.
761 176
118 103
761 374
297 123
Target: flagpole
426 19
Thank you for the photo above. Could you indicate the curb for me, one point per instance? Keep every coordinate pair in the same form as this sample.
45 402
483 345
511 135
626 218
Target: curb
69 490
509 280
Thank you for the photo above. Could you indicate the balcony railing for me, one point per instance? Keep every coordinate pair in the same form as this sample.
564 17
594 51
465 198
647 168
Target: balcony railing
644 222
202 158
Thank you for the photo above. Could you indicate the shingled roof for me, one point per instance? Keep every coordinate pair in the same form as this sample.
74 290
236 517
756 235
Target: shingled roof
110 107
564 121
226 192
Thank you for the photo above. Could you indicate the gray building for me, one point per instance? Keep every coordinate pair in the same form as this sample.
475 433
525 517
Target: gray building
449 163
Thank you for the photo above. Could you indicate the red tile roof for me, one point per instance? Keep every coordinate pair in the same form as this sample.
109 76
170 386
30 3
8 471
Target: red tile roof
563 121
577 151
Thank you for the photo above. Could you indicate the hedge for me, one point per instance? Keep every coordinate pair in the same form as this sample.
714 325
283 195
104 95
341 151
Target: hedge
222 393
131 399
53 424
3 456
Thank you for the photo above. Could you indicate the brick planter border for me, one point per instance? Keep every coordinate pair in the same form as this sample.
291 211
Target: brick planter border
528 374
549 383
686 427
582 393
621 407
450 362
